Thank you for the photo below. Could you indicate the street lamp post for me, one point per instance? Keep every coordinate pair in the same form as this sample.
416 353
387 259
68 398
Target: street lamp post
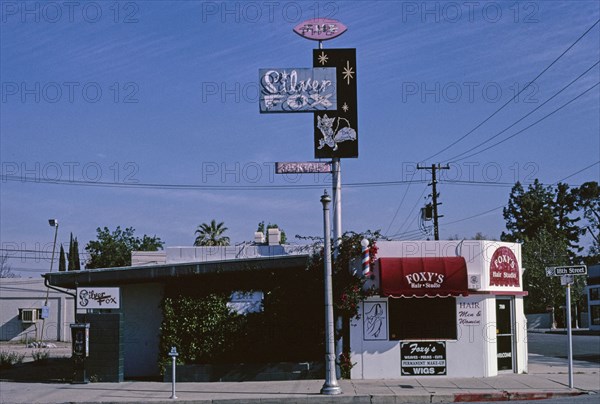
331 385
53 223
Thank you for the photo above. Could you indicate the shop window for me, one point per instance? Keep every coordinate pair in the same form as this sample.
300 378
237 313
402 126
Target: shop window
595 314
594 293
422 318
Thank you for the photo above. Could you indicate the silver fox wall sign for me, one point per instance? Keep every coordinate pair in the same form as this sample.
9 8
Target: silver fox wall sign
336 132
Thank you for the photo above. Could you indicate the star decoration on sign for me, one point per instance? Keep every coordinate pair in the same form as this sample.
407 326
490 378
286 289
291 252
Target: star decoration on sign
348 72
345 107
284 75
323 58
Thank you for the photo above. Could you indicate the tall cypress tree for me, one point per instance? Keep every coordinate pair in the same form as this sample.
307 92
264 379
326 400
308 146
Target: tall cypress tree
76 262
71 263
62 263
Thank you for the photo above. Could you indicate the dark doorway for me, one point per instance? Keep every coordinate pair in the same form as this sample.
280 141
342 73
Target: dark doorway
504 334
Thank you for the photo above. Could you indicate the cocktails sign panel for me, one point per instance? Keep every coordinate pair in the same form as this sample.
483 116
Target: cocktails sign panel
316 167
297 90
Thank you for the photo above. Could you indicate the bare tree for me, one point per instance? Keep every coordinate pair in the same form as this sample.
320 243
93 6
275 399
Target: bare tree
5 269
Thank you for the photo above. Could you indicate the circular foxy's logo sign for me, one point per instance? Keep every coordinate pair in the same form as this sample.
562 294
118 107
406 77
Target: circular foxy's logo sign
504 268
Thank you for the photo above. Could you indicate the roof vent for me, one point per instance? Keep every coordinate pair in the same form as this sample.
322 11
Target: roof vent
259 237
274 236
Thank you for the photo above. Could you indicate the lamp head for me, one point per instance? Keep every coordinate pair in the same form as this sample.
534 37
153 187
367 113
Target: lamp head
53 222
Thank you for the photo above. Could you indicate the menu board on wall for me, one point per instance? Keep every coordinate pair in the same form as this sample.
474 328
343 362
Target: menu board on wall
423 358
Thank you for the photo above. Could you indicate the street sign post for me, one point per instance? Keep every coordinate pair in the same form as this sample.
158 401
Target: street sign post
567 274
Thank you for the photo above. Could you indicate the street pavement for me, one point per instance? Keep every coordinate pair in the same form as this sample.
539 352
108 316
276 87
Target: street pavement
547 378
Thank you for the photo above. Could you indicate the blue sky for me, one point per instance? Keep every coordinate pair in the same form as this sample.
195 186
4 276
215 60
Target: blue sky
162 93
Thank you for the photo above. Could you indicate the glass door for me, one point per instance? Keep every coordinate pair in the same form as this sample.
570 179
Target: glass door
504 334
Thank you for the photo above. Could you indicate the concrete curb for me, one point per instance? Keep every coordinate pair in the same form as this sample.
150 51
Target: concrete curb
515 396
372 399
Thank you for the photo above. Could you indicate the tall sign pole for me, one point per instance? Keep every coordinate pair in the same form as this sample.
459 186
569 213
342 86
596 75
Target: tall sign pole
567 274
331 385
336 188
569 332
335 119
336 185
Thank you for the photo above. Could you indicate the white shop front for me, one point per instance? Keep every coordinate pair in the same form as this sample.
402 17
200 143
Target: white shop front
444 308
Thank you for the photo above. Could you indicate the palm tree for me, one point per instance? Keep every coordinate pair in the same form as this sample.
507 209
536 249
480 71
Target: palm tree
211 234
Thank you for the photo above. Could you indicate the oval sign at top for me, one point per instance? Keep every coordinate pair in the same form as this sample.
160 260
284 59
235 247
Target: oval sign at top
320 29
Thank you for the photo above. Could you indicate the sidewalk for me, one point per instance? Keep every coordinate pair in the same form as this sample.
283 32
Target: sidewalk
547 378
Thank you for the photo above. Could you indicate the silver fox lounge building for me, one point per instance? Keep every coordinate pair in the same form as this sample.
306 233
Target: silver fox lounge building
443 308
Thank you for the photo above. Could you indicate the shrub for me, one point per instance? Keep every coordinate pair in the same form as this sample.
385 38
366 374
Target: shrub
9 359
40 357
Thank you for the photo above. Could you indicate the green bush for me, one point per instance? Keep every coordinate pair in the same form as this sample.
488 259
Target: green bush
202 328
9 359
40 357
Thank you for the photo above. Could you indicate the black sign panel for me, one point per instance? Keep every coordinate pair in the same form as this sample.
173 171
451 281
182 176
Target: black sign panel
423 358
336 132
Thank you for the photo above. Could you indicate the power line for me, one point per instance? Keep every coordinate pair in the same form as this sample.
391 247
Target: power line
412 210
503 205
577 172
516 95
414 232
524 116
401 202
199 187
530 126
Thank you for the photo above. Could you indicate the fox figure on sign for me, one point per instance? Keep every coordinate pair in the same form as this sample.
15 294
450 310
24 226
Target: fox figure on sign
332 137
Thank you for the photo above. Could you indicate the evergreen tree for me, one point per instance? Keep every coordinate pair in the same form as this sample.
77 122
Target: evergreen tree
544 219
588 200
542 209
62 263
73 260
71 255
76 261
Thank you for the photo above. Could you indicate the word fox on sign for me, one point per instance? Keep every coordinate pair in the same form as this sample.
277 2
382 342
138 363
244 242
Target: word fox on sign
98 298
297 90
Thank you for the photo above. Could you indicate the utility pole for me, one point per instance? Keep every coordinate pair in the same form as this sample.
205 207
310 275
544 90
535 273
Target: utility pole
434 195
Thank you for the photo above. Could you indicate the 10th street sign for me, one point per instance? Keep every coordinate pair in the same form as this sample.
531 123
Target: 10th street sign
566 270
